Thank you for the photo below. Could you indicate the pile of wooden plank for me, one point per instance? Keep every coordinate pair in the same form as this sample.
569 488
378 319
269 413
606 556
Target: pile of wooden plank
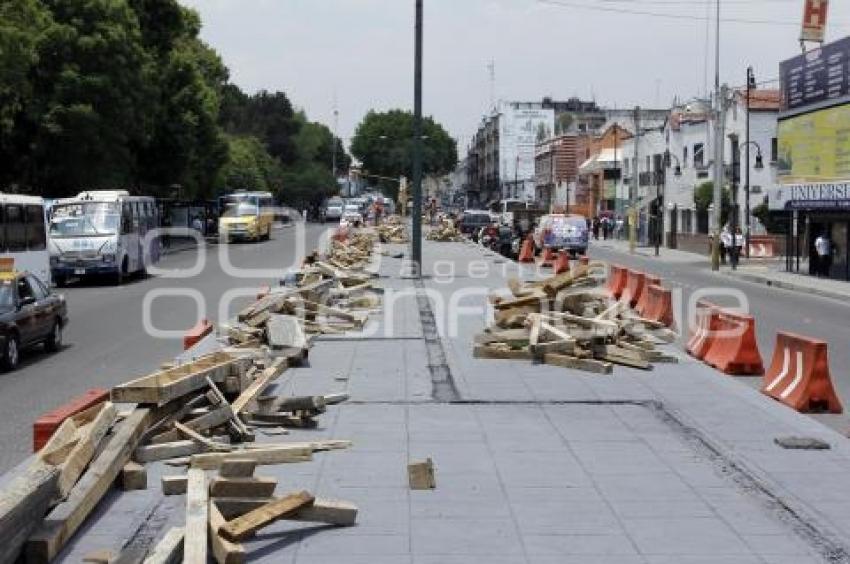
446 232
393 230
568 320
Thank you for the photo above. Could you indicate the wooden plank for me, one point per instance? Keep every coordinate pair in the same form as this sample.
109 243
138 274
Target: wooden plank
533 300
585 364
240 427
626 361
264 379
100 556
169 550
242 487
534 336
61 523
23 504
265 456
420 475
557 283
237 468
174 485
510 336
224 551
487 351
215 418
202 440
328 511
60 444
166 385
134 477
541 349
90 437
197 515
151 453
245 526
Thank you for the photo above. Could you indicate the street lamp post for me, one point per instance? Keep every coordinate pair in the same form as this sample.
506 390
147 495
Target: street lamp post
751 84
661 188
417 145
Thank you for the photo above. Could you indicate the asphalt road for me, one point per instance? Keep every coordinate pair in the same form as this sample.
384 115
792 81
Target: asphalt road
107 341
774 310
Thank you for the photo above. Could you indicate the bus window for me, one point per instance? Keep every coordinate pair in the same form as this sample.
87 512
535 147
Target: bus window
16 228
126 219
36 234
2 229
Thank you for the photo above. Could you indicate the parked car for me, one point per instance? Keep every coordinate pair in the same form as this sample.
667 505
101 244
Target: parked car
352 215
559 231
30 314
334 209
472 221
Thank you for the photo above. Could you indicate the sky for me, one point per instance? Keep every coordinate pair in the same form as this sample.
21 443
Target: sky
357 55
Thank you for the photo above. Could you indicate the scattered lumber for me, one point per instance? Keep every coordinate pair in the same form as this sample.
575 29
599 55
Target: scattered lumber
262 456
245 526
23 504
421 475
224 551
174 485
331 512
169 550
134 476
242 487
197 515
445 232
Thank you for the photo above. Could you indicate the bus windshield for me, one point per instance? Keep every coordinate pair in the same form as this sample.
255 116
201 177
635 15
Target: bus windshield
240 210
85 219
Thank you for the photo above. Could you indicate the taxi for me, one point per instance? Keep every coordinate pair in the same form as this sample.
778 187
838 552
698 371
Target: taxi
30 314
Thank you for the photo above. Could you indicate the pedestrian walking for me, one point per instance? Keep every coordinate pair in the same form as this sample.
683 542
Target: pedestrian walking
725 243
823 250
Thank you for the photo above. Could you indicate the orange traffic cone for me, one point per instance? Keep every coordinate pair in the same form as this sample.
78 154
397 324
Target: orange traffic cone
562 264
526 253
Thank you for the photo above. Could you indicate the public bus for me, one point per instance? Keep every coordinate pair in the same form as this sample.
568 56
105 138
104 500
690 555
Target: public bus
246 216
23 234
103 232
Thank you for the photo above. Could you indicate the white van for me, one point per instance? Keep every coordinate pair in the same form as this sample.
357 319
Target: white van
103 233
23 234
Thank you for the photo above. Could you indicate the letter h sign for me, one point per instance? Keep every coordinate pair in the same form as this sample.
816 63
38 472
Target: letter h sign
814 20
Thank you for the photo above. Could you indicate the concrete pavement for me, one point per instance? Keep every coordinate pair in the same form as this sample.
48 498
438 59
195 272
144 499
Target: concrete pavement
534 464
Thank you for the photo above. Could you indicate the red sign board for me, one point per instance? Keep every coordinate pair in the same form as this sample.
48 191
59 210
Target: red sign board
814 20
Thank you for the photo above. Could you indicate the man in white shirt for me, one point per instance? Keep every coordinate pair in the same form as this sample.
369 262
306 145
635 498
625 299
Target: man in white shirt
823 249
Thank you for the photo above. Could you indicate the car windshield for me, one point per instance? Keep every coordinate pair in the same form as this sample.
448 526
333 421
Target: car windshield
352 208
568 222
84 220
240 210
334 204
7 295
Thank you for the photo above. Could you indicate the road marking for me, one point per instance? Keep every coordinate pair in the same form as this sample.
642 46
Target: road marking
797 378
786 361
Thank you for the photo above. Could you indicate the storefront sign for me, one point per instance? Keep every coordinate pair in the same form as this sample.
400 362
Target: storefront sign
825 195
815 147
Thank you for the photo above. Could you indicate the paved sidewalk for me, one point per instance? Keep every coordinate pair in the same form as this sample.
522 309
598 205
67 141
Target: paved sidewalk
664 254
534 464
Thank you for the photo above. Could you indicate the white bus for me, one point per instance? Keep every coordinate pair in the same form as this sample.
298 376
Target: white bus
103 233
23 234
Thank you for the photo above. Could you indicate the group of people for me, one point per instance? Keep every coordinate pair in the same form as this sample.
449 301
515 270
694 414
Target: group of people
731 246
606 226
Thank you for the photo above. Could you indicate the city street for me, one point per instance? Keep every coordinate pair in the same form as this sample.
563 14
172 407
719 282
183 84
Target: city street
106 342
775 310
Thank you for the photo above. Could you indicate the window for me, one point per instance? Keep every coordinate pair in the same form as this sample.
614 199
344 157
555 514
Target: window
774 150
24 289
38 289
685 156
755 189
36 234
126 219
16 228
2 231
698 155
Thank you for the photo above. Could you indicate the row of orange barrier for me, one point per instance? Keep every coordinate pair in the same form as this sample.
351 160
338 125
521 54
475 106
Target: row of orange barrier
725 340
641 291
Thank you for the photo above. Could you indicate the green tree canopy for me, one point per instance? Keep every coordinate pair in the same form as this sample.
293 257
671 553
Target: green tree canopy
383 142
704 197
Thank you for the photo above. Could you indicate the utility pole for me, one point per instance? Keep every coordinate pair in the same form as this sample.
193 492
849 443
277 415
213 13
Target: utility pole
417 144
633 190
750 85
333 141
718 149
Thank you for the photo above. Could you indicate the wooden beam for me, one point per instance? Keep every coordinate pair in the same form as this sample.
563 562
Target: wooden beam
263 456
61 523
264 379
240 427
174 485
242 487
491 352
163 451
586 364
237 468
224 551
134 477
245 526
328 511
89 438
169 550
215 418
197 516
202 440
23 504
420 475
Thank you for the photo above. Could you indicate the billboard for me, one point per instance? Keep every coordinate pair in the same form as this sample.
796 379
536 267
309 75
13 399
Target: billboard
820 78
814 20
520 129
815 147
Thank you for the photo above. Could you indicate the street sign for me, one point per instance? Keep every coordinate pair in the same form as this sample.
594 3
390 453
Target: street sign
814 20
816 79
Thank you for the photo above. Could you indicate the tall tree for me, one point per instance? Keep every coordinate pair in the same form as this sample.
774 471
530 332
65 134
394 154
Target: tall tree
383 142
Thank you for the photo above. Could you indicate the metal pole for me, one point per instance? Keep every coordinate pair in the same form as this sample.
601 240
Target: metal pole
747 179
633 190
718 150
736 163
417 144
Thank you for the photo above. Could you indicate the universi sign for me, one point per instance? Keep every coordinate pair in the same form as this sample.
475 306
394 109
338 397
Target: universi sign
821 195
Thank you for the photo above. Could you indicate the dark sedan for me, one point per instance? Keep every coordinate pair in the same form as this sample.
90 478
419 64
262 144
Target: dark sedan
30 314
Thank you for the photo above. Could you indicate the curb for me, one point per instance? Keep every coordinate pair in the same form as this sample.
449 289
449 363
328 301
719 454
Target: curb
789 286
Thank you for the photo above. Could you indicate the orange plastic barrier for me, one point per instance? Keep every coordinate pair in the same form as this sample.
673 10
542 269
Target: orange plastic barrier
734 349
526 253
798 375
659 305
634 287
562 263
46 425
616 280
548 259
648 280
703 336
201 329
